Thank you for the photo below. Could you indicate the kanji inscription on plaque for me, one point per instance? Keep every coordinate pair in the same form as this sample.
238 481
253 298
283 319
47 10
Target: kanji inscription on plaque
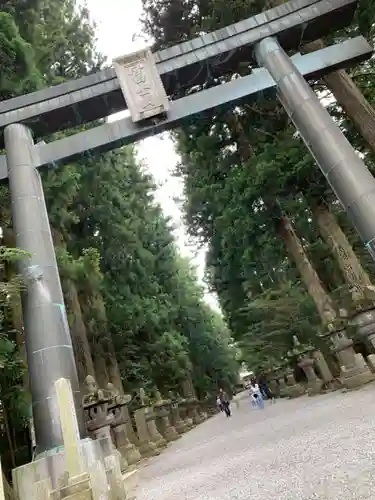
141 85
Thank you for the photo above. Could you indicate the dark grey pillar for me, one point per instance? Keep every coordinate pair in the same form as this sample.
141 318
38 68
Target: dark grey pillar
345 171
47 337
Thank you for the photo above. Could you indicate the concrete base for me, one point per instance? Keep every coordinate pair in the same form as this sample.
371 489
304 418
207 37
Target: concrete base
197 418
47 478
351 379
181 427
148 449
131 482
170 434
371 362
155 435
294 391
189 423
130 453
315 387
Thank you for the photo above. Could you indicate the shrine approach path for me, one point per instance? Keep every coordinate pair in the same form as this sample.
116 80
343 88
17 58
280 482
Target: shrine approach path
304 449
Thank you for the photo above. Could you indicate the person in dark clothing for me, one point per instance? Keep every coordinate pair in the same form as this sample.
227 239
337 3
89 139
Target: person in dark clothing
225 402
266 391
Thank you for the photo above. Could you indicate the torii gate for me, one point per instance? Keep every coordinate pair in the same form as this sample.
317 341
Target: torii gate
142 82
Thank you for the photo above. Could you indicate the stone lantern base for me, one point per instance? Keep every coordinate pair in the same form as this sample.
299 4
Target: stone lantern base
356 376
314 383
293 389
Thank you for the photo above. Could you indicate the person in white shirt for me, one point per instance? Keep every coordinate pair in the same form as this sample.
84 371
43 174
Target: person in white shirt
256 395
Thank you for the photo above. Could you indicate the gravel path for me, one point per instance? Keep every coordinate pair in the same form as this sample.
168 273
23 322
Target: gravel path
305 449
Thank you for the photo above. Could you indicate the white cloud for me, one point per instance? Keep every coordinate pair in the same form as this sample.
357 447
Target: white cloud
117 26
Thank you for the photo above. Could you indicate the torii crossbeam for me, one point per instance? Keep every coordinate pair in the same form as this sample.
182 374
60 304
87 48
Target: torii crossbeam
181 67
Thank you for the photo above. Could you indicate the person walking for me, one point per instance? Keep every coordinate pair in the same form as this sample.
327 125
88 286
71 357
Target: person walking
225 402
218 404
256 395
266 392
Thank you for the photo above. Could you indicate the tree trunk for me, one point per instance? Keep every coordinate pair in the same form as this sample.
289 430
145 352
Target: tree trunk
323 301
8 490
102 377
9 241
354 274
81 346
349 97
113 368
105 360
98 355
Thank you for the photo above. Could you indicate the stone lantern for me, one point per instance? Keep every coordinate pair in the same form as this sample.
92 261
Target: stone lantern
119 426
363 319
98 419
293 388
191 402
162 409
150 417
280 377
306 361
364 323
183 407
142 414
176 419
354 372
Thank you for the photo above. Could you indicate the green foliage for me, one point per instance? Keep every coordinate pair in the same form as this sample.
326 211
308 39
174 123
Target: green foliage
242 171
152 304
113 244
18 72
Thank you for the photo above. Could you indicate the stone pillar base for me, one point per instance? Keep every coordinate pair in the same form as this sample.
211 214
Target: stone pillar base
315 387
189 423
170 434
353 378
294 391
130 453
180 427
148 449
155 435
47 477
371 362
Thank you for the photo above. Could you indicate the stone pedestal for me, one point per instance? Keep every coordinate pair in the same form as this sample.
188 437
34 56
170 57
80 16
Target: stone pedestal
162 410
283 389
98 422
188 391
133 438
155 435
46 478
314 383
371 362
365 325
183 405
209 406
192 411
293 389
323 368
128 451
354 370
274 387
175 417
147 447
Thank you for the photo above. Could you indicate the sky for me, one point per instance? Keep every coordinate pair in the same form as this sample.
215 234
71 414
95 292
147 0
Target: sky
117 29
